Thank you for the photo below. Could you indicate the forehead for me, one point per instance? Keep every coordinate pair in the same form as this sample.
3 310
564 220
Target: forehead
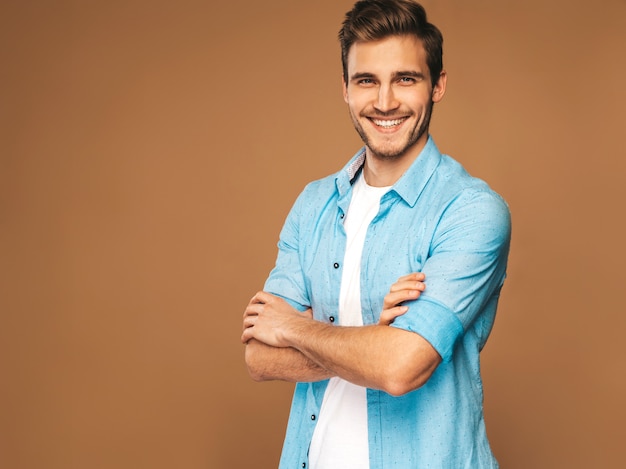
388 55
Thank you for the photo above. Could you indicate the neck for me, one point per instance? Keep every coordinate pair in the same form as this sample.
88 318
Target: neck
382 172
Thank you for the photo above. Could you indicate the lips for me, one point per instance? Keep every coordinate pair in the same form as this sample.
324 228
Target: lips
388 123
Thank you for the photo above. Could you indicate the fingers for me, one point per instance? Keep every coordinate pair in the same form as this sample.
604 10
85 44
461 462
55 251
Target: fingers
253 309
246 335
395 298
256 303
267 316
250 316
408 284
261 297
414 276
249 320
408 287
388 315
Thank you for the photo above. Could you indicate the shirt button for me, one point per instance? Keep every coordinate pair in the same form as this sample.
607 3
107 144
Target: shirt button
313 417
331 319
341 216
303 464
336 265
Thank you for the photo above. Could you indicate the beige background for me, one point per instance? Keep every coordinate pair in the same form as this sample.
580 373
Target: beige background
150 151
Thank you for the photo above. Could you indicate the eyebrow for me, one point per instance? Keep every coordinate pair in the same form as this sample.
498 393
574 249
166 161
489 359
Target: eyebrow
409 73
401 73
358 76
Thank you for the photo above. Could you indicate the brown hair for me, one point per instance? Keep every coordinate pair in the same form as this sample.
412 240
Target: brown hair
371 20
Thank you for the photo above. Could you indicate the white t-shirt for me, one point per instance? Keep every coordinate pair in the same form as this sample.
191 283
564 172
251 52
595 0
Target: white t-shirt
340 439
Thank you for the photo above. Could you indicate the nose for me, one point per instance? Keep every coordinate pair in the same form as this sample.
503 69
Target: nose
386 99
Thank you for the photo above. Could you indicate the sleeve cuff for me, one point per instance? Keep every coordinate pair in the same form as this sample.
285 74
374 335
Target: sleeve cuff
435 323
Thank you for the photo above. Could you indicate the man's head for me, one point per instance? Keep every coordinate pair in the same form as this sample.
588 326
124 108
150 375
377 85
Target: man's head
371 20
392 76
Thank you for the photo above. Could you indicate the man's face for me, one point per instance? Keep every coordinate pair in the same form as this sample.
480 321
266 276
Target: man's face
390 96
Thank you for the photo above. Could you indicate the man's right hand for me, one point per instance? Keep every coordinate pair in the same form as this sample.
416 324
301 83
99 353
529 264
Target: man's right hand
408 287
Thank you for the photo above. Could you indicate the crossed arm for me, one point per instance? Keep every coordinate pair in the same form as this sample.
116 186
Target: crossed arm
284 344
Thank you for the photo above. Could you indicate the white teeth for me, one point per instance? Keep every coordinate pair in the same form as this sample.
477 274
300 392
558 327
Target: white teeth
387 123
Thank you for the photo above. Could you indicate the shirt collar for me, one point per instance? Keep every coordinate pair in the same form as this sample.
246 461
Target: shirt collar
411 183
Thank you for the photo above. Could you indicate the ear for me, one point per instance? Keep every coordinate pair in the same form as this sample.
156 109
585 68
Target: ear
344 89
440 87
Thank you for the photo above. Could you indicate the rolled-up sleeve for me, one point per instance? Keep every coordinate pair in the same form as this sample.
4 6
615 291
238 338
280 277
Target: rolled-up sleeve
465 268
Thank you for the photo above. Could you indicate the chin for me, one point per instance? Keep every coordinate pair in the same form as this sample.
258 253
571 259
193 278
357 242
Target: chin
390 152
388 155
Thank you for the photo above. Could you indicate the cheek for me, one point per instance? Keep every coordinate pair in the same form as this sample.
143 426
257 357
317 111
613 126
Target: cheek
416 98
359 102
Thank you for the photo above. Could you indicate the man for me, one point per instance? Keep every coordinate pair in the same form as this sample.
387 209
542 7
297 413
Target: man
386 378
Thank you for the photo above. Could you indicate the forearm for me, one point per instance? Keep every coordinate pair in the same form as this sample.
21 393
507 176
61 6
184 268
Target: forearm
267 363
292 346
379 357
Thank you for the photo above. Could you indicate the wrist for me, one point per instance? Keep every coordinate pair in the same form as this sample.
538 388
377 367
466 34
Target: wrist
303 332
294 330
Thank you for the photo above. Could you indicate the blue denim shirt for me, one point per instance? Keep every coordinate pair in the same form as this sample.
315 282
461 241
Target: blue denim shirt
436 219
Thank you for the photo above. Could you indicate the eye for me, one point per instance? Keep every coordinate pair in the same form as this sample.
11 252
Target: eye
366 81
407 80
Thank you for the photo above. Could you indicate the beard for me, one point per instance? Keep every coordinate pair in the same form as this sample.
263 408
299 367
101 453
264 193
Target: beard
391 150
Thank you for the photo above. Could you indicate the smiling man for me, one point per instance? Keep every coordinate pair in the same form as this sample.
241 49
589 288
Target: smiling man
386 376
390 95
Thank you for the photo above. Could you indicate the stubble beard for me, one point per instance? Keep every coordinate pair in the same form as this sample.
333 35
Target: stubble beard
382 153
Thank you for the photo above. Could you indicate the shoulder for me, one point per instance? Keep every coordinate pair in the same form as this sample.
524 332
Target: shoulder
456 185
312 201
470 204
316 193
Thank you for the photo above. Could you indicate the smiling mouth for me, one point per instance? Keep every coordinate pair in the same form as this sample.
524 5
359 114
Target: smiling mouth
388 123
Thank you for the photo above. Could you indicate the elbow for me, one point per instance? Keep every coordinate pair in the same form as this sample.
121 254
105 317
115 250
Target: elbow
398 386
397 390
253 362
255 375
254 372
401 380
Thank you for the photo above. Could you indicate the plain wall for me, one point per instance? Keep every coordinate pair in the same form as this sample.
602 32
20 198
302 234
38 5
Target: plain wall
150 151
